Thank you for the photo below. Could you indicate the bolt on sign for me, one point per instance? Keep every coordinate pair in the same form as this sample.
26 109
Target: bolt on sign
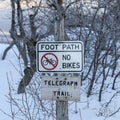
62 56
60 88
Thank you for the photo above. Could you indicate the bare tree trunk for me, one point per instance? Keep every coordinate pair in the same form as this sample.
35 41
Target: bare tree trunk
29 71
12 29
20 18
13 15
18 37
114 80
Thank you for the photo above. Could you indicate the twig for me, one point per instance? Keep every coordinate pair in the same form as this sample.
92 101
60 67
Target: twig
80 114
115 112
10 94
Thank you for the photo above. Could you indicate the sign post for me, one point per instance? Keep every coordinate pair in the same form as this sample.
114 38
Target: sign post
59 57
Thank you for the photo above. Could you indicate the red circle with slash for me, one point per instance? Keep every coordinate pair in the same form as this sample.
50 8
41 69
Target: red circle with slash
49 61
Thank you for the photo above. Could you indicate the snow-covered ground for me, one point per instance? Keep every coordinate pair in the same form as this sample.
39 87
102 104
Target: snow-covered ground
8 73
86 109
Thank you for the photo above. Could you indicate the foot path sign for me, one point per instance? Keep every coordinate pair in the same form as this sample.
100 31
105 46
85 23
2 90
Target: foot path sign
62 56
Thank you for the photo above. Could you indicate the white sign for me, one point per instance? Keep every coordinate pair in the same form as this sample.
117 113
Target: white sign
62 88
63 56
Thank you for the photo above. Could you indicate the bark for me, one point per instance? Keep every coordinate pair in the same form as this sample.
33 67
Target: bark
7 49
31 48
114 80
62 110
28 74
61 106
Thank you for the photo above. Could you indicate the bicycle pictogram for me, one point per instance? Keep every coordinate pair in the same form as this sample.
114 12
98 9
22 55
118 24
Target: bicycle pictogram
49 61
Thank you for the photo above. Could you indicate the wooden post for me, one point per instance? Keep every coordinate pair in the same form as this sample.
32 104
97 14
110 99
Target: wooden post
61 106
62 110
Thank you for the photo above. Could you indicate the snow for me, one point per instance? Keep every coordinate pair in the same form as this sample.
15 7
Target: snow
87 108
10 72
5 15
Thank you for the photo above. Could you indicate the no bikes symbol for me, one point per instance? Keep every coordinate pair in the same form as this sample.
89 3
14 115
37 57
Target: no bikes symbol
49 61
